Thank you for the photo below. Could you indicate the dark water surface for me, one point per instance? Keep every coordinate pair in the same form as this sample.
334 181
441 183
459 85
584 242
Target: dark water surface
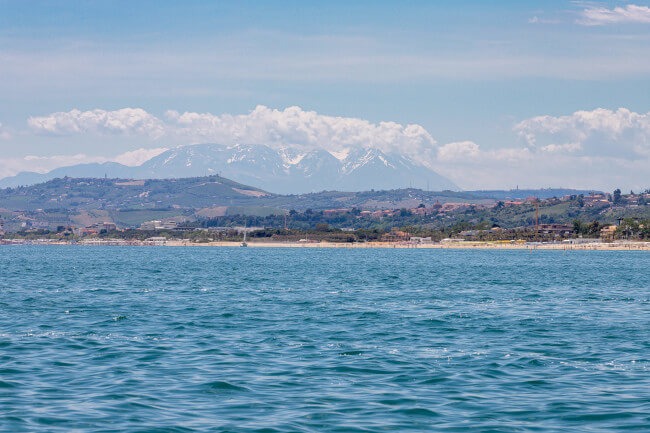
323 340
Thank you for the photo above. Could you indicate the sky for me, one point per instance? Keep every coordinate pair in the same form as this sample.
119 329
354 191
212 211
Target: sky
490 94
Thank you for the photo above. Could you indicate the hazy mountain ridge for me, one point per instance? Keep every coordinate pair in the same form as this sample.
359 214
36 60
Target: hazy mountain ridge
288 170
128 202
196 192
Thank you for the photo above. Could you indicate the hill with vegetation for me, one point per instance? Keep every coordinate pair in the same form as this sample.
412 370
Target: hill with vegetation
214 201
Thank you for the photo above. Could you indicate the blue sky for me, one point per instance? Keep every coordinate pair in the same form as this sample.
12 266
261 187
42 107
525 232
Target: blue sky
509 91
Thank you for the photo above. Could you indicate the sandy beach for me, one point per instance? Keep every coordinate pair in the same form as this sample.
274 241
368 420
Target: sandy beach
615 246
595 246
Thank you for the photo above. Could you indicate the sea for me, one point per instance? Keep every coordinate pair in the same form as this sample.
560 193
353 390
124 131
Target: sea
173 339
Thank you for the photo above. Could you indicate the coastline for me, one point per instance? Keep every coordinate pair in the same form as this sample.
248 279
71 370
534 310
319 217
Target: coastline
626 246
595 246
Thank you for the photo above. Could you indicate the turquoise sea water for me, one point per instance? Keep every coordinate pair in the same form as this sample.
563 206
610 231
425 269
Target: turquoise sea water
104 339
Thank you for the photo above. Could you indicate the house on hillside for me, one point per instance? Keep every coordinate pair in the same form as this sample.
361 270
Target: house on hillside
607 233
396 235
555 229
595 200
108 226
159 225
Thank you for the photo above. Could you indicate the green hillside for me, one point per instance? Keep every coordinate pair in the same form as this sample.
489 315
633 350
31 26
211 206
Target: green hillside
82 202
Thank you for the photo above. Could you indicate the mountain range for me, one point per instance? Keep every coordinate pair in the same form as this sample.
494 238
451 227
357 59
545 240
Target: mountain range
285 171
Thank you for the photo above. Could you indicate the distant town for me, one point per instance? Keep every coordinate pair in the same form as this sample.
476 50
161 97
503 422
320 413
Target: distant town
573 218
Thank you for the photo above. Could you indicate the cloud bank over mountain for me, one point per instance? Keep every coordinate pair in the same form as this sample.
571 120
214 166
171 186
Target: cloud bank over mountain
128 121
307 129
275 128
596 148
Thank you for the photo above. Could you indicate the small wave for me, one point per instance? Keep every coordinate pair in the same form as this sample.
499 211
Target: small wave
221 386
418 412
351 353
7 385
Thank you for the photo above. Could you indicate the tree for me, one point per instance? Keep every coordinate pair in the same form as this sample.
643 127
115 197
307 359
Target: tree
616 197
628 228
644 232
322 227
578 227
594 228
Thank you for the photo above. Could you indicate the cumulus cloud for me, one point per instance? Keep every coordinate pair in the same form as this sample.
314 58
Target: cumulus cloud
560 148
600 132
459 151
137 157
589 149
601 149
472 167
470 153
294 126
127 121
600 16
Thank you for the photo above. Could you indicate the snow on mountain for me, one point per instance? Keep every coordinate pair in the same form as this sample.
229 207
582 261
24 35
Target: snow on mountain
288 170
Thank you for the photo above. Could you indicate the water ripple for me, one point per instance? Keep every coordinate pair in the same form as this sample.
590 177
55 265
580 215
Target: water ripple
249 340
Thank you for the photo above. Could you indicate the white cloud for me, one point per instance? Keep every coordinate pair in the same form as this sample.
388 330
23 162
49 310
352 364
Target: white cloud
459 151
601 149
470 153
560 148
600 132
588 149
599 16
472 167
295 127
292 126
127 121
137 157
585 163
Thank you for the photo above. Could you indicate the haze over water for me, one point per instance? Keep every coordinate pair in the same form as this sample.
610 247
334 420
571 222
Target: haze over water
329 340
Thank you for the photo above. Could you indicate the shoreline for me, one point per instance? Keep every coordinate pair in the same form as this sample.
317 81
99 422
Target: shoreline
613 246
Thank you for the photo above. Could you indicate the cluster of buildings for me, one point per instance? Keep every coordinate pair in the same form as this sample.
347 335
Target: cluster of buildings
421 210
159 225
94 229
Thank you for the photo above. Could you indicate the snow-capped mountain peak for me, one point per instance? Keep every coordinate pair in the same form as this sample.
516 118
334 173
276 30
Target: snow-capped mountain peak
285 170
